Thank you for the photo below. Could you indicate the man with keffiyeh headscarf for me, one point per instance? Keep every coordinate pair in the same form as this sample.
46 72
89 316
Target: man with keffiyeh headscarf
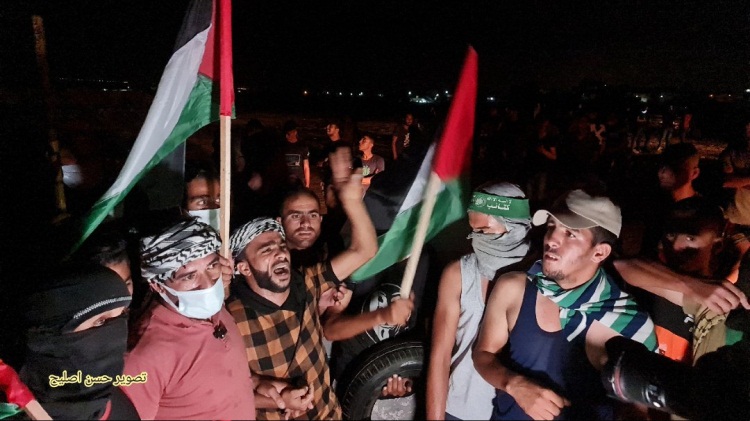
276 307
189 348
500 220
541 343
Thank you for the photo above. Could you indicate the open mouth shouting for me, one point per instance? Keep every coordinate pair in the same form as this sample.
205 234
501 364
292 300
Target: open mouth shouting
281 270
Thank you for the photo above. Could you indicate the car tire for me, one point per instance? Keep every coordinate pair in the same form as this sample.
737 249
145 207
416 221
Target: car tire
363 383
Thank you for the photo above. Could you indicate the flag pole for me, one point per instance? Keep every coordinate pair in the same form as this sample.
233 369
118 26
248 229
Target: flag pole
430 197
226 95
452 158
225 133
40 41
17 393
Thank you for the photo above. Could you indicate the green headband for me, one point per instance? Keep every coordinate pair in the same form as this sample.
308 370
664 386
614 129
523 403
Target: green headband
507 207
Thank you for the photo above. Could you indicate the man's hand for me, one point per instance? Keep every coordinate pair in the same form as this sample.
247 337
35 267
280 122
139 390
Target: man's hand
297 400
272 389
538 402
399 311
227 270
719 298
348 184
396 387
337 299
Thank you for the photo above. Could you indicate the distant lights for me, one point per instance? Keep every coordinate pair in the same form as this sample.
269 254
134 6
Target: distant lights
747 90
380 95
341 93
361 94
409 93
491 98
304 93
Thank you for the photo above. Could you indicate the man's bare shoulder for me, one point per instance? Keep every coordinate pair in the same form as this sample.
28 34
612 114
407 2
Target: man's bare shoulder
452 269
510 286
512 279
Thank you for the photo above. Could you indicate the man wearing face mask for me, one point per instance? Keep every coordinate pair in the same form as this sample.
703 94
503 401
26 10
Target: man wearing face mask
78 330
202 191
188 345
500 220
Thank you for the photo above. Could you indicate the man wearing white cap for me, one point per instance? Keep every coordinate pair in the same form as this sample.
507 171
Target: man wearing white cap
541 343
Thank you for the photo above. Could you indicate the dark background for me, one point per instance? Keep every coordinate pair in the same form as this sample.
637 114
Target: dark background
282 48
408 45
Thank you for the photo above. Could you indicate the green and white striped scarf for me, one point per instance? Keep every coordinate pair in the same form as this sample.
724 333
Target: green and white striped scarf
598 299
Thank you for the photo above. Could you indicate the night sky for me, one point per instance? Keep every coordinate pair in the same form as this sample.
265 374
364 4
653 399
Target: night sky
375 45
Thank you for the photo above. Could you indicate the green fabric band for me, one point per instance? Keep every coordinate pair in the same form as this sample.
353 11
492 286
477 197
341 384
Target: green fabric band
507 207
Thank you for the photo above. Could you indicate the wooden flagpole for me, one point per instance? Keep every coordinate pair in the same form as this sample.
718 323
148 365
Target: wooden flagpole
226 100
225 134
428 204
40 42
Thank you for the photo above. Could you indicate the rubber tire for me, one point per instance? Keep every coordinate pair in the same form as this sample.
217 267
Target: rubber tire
366 379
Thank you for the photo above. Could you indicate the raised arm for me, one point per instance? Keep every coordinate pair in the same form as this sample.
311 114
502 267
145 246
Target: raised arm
364 242
538 402
306 168
444 327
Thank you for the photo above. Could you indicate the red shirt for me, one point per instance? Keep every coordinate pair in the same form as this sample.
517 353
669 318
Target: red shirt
190 373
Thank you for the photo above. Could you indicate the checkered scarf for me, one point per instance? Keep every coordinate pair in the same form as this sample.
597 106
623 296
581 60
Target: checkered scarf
163 254
598 299
243 235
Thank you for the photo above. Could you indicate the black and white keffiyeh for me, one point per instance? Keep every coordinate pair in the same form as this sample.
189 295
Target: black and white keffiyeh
163 254
243 235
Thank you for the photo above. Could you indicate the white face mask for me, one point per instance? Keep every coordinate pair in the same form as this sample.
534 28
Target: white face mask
72 175
209 217
199 304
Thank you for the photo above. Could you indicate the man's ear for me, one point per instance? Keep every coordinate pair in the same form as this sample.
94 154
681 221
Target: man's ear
278 219
695 173
156 287
601 252
243 267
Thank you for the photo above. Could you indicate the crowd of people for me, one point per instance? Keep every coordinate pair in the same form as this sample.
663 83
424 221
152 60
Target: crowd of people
148 320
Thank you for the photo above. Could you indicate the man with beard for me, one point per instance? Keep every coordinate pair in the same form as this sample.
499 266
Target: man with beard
500 220
276 307
541 343
78 331
189 354
302 221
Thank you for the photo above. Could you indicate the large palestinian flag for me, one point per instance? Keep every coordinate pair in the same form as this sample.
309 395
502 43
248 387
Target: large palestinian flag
450 161
196 87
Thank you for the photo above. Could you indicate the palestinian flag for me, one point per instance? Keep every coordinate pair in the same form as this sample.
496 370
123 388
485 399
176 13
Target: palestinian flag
450 161
196 87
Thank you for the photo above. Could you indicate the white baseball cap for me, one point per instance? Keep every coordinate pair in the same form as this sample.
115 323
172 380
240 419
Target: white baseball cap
581 211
